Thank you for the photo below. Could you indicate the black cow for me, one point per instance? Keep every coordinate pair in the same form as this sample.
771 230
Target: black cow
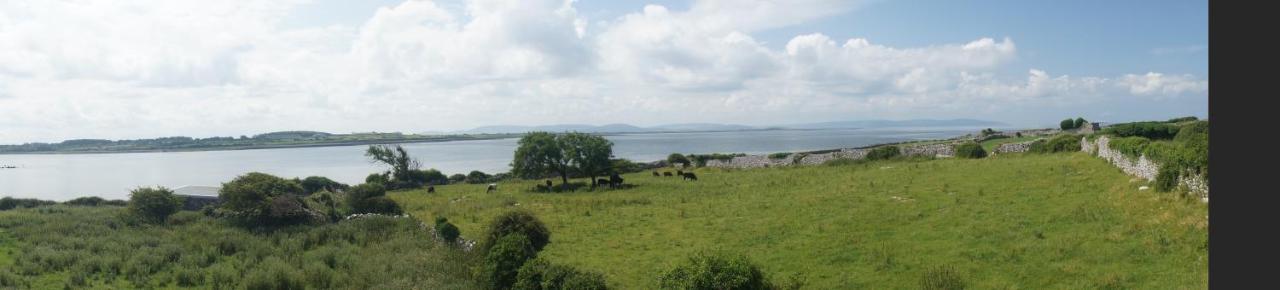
680 172
431 189
602 182
690 176
668 173
615 180
548 183
655 173
492 187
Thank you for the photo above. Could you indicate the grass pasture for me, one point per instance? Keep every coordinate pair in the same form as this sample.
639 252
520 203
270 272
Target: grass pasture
1056 221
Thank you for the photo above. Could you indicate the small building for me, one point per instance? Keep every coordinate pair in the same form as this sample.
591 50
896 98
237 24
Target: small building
195 197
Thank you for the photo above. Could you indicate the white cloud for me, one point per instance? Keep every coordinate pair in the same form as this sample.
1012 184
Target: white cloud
75 69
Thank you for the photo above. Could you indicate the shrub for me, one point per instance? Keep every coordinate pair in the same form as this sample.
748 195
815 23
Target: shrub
457 178
250 196
503 260
677 158
941 278
447 230
274 274
779 155
1167 178
1150 130
477 177
517 222
1182 119
8 203
1079 123
538 274
704 271
313 184
371 198
884 152
188 277
153 205
86 201
622 165
326 203
1060 143
970 150
1129 146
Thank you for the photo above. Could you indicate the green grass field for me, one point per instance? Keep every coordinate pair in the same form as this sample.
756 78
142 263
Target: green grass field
1060 221
990 145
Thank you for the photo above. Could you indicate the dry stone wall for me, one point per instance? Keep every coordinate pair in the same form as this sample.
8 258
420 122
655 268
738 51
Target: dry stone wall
1018 147
752 161
931 150
813 158
1141 166
820 158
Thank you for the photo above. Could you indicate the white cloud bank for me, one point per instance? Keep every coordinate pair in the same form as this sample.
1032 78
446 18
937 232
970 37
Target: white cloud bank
75 69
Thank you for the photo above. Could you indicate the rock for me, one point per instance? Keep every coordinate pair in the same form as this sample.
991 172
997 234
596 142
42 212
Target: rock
1144 187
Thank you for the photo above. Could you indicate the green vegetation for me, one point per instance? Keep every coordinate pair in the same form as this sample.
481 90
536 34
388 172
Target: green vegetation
1184 153
268 140
153 205
970 150
677 158
76 247
8 203
884 153
711 272
1034 221
1060 143
990 145
779 155
539 274
405 171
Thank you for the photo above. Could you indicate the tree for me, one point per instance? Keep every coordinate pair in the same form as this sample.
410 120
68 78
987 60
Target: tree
1067 124
1079 123
477 176
395 157
538 155
502 261
457 178
313 184
588 153
678 158
153 205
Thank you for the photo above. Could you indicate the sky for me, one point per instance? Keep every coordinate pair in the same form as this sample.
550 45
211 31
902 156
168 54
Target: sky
74 69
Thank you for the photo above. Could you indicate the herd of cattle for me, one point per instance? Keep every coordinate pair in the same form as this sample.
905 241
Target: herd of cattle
685 175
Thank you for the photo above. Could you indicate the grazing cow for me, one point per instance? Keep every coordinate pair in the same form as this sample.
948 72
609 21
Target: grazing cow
668 173
690 176
431 189
680 172
548 183
615 180
602 182
492 187
655 173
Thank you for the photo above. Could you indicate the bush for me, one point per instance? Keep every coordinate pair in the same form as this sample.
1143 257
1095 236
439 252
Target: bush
1079 123
274 274
457 178
251 196
1182 119
1167 178
1129 146
1150 130
884 152
622 166
539 274
1067 124
704 271
503 260
677 158
941 278
517 222
1060 143
447 230
371 198
779 155
477 177
86 201
313 184
970 150
8 203
153 205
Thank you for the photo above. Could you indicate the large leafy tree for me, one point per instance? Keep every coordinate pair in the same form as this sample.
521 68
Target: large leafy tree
538 155
589 154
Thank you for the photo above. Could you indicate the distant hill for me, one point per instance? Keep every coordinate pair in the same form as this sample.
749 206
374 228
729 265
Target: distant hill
895 124
702 127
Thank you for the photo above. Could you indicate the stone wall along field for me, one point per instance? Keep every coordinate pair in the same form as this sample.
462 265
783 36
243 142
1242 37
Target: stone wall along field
1018 147
1141 166
930 150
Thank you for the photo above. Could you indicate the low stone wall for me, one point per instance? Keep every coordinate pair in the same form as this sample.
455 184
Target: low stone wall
1141 166
1018 147
820 158
752 161
930 150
